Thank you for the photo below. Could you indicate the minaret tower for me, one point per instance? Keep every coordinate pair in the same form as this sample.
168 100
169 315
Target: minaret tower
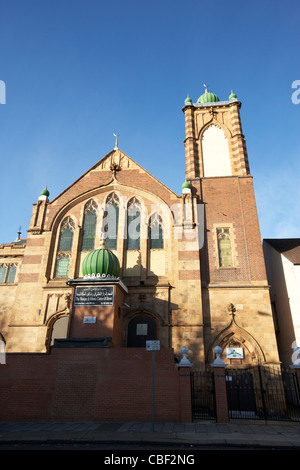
231 258
214 143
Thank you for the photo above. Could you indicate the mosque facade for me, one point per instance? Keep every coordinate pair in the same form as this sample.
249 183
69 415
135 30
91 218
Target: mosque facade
190 266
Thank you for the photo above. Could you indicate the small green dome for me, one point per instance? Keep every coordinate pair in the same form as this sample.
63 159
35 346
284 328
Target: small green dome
232 95
185 185
101 262
208 97
188 100
45 192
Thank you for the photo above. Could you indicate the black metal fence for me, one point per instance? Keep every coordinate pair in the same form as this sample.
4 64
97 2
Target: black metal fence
263 392
258 393
203 395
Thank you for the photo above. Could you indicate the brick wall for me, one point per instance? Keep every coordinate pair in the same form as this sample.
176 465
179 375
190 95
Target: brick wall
92 384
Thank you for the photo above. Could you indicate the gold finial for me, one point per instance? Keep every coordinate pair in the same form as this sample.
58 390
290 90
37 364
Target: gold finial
102 244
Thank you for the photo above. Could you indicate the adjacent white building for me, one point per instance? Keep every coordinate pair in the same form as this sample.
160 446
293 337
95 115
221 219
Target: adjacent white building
282 257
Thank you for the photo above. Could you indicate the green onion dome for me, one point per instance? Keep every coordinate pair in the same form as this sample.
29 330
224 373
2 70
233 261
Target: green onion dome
45 192
101 263
208 97
185 185
188 100
232 95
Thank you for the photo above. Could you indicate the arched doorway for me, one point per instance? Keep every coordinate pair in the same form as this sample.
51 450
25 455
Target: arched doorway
141 328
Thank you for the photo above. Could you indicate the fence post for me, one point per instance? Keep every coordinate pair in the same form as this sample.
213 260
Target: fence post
220 387
184 370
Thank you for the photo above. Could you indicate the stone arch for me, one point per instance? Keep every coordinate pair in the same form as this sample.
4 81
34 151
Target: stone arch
214 147
141 326
56 317
234 333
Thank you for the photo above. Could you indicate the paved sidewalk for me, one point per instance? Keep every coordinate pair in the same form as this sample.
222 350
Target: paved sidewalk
239 434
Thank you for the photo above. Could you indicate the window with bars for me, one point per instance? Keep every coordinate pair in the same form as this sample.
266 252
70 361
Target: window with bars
8 273
133 224
224 247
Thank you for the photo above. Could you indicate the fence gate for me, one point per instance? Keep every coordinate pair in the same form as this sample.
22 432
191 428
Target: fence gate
263 392
203 395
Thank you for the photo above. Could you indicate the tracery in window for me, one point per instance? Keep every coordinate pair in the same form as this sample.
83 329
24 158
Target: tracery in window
156 232
89 226
64 248
111 221
224 247
133 224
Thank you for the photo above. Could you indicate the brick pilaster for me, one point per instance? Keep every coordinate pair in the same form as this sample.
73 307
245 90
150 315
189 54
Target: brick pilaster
221 394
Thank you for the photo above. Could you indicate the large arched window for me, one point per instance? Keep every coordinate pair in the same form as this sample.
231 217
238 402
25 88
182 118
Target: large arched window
156 232
133 224
111 221
89 226
64 248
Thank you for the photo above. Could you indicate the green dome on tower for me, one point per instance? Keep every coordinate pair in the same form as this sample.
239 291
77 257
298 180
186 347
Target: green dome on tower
232 95
208 97
45 192
188 100
185 185
101 263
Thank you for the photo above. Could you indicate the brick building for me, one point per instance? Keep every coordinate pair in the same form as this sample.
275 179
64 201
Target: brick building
191 264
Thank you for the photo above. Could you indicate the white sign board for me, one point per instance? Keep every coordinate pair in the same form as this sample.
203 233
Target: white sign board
89 320
234 353
141 329
153 345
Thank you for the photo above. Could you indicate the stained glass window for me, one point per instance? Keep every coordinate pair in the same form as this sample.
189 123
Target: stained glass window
64 248
62 266
111 221
224 247
66 239
89 230
133 224
89 226
156 232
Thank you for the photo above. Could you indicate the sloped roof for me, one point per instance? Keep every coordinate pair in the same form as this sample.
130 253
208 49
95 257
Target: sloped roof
289 247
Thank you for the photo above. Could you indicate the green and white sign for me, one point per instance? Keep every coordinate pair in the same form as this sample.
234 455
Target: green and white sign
234 353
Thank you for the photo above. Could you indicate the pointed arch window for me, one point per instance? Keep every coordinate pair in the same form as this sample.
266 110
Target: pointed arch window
64 248
89 226
111 221
156 232
224 247
133 224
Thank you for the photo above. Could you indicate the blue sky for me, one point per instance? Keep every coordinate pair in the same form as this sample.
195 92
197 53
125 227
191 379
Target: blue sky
77 71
